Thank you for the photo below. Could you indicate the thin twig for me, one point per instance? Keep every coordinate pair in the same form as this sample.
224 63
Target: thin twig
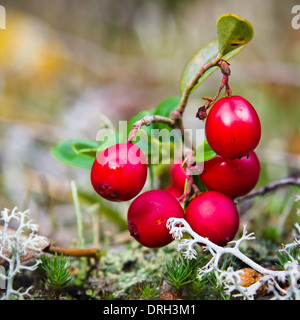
189 87
176 116
189 166
147 120
270 187
202 111
73 252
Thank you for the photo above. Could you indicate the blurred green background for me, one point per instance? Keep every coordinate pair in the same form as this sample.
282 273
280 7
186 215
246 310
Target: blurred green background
66 64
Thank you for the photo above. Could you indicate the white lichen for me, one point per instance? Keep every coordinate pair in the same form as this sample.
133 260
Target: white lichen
15 245
230 279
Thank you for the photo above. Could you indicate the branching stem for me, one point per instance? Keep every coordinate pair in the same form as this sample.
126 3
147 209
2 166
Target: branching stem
224 66
147 120
175 120
189 87
189 167
270 187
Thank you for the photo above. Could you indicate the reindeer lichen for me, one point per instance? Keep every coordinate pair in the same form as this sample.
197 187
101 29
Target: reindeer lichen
15 245
230 279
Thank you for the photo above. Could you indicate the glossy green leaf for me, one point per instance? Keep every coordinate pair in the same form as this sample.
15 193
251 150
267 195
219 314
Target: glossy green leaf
143 138
78 153
233 32
168 105
85 148
204 152
164 109
204 55
147 144
138 117
149 141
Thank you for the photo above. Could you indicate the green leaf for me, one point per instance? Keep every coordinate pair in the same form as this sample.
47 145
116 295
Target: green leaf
233 32
79 153
138 117
204 55
146 143
233 35
204 152
164 109
149 141
84 148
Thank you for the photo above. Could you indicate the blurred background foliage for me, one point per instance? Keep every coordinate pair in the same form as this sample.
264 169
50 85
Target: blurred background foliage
66 67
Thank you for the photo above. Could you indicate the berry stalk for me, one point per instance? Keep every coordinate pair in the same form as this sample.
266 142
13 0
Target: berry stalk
224 67
189 87
175 120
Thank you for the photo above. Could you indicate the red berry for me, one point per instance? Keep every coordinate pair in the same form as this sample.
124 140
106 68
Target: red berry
174 191
232 127
119 172
178 179
213 215
234 177
147 217
178 176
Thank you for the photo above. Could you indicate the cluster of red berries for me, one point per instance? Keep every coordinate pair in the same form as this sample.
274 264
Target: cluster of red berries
233 131
118 174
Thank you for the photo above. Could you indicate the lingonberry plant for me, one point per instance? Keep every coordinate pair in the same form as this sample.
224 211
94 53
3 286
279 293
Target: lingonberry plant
201 199
119 171
233 131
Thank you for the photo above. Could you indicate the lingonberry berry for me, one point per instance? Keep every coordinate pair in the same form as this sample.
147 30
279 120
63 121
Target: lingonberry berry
174 191
147 217
232 127
119 172
178 176
178 179
234 177
213 215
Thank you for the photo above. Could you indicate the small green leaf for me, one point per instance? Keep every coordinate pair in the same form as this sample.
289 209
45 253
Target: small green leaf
164 109
85 148
149 141
138 117
204 55
233 32
204 152
79 153
146 143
